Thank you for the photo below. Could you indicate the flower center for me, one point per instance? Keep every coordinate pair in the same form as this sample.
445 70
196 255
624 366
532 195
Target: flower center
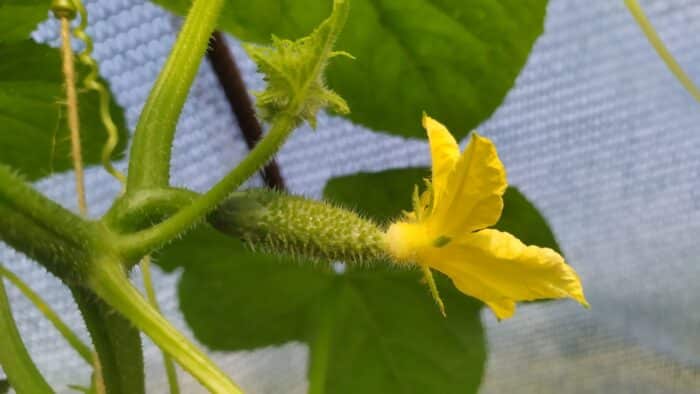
406 241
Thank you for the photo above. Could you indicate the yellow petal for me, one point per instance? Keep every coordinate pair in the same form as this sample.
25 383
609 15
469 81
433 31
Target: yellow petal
444 152
473 198
503 309
499 269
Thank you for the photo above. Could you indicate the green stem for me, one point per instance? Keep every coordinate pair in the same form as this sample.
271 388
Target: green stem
81 348
153 300
109 281
646 26
139 244
14 358
59 256
117 343
45 231
22 198
149 165
139 210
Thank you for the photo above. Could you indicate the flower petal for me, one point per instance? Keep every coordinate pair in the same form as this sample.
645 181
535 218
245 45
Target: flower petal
444 152
503 309
473 199
499 269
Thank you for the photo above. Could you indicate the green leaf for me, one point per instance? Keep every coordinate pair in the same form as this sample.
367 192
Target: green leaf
18 18
369 331
379 195
522 219
454 59
383 195
34 136
235 299
4 386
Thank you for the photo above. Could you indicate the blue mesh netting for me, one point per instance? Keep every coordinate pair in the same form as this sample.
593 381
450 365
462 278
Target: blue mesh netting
598 135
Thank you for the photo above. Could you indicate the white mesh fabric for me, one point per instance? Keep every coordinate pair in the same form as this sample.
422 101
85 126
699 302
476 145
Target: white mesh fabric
597 133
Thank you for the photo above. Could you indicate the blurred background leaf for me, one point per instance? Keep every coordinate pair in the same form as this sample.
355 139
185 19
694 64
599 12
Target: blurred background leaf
34 136
454 59
369 331
18 18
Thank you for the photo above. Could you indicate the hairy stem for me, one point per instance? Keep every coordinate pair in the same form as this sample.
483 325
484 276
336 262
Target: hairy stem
117 342
14 358
24 200
109 281
224 66
143 242
149 165
59 256
81 348
153 300
144 208
43 230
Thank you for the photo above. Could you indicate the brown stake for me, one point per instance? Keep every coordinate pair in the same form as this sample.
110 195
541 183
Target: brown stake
224 65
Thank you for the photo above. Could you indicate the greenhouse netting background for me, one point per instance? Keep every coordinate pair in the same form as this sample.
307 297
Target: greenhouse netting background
597 133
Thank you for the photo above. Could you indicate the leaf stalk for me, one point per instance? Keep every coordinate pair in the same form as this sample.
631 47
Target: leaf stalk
149 165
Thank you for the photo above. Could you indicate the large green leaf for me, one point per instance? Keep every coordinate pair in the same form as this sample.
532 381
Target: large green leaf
454 59
259 300
369 331
34 137
18 18
384 195
522 219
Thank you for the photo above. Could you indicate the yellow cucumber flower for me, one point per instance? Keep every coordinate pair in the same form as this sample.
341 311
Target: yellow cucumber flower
447 231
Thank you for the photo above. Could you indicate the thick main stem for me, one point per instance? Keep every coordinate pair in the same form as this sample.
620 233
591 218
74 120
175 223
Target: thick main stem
73 118
42 229
24 200
117 343
109 281
149 165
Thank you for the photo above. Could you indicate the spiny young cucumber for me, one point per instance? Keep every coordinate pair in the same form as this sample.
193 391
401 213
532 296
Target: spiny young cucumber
273 221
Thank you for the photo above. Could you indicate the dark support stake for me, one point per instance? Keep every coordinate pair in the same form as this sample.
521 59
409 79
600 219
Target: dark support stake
221 60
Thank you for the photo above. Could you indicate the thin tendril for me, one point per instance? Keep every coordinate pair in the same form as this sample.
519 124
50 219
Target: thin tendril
653 37
91 82
81 348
